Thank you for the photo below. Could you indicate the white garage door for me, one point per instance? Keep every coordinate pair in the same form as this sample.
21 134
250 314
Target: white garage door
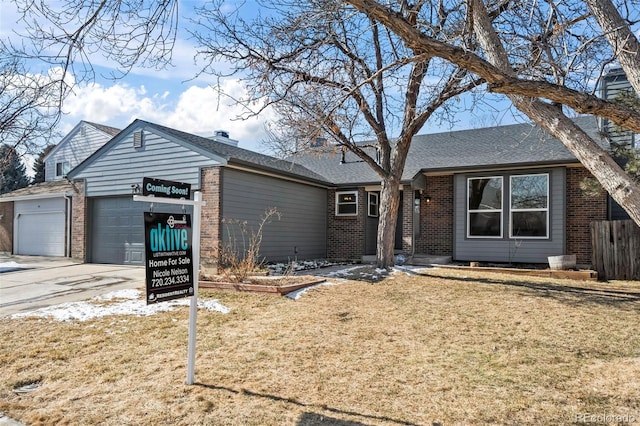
39 227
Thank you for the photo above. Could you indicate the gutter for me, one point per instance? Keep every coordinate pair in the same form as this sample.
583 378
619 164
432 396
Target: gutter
34 196
67 246
498 167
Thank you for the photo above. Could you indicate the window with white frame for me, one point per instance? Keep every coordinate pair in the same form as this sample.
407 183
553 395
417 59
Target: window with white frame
529 206
484 207
62 168
347 203
373 204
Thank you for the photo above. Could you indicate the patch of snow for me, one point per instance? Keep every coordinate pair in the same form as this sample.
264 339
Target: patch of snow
10 266
297 266
213 305
408 269
295 295
131 304
347 272
127 293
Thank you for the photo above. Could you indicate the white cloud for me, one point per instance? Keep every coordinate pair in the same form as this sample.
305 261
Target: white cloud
199 110
169 96
203 110
104 105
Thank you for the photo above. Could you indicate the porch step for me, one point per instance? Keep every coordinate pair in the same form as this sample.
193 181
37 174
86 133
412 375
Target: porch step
425 259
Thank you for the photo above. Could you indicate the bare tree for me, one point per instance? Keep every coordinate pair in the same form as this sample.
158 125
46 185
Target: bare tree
354 70
617 31
332 72
57 48
28 108
543 55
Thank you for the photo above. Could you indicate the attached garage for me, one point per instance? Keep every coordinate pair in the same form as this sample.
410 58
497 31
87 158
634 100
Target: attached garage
117 229
40 227
113 231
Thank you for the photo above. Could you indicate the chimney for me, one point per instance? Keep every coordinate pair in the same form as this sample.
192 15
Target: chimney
318 142
222 136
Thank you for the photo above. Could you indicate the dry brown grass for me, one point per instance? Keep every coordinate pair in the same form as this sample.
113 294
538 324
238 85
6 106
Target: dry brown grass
447 348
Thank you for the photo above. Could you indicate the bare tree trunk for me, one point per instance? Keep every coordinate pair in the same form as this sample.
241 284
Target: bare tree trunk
610 175
387 220
623 42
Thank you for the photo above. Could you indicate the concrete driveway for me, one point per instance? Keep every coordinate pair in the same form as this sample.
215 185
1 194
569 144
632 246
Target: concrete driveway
34 282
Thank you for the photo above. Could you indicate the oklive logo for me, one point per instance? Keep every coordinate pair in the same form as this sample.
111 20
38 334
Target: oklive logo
173 236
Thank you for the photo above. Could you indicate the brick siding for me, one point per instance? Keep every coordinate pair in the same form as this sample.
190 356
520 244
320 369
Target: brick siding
581 211
436 217
6 227
345 236
78 223
211 179
407 221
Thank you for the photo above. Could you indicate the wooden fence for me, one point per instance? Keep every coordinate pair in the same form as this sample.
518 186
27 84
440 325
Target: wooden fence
616 249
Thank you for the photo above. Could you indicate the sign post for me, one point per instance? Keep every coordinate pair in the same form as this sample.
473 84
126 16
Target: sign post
193 306
176 236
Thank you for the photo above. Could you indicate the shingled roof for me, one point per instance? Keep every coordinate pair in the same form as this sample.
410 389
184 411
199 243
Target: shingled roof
42 188
487 148
516 145
243 157
106 129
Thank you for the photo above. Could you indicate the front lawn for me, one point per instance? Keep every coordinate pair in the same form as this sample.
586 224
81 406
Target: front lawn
449 347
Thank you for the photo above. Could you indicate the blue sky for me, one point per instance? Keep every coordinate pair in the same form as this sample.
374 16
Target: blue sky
169 97
173 98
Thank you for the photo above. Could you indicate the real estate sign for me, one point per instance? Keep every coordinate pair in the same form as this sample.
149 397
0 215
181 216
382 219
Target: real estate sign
165 188
169 261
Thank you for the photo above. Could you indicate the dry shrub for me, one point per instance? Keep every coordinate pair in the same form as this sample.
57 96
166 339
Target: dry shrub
240 254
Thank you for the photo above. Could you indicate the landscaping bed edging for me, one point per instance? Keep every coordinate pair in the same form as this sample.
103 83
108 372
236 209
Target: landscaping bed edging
261 288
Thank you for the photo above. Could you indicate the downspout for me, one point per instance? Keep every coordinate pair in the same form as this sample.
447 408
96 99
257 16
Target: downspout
67 199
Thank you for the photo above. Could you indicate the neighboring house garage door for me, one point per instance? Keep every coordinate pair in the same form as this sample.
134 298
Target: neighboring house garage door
117 229
40 227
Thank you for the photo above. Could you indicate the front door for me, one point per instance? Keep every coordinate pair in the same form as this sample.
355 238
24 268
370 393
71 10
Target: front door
371 224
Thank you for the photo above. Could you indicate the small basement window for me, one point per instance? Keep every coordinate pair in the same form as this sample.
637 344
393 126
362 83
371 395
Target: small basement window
347 203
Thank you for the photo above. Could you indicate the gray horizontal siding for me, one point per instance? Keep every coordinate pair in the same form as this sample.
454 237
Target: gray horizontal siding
613 85
75 149
301 231
507 249
122 165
